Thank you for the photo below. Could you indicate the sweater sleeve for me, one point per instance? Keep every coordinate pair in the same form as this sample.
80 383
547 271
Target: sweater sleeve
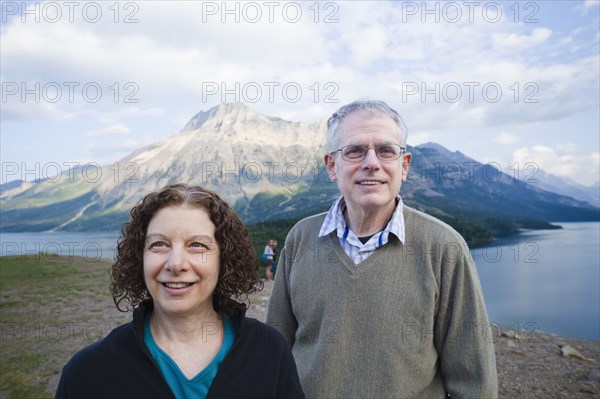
464 337
279 312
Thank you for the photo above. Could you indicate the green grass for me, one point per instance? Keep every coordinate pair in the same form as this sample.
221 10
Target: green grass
50 307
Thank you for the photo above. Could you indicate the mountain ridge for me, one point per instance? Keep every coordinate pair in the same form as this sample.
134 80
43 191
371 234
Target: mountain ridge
269 169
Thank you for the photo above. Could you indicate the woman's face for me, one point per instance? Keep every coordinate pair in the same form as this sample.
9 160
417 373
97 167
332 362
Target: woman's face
181 261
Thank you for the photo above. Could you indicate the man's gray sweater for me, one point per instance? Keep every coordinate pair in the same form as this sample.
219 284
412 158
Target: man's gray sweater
409 321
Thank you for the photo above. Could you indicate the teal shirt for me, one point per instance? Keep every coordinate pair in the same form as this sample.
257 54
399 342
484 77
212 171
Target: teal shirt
182 387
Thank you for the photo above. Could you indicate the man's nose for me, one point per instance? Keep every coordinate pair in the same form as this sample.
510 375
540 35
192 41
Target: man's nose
371 160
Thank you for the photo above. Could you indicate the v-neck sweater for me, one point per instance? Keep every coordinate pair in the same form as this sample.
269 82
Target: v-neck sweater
408 321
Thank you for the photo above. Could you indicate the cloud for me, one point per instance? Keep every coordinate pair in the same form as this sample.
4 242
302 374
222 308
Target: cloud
136 111
415 139
537 36
117 129
22 111
366 45
589 4
113 116
96 149
559 161
365 51
506 138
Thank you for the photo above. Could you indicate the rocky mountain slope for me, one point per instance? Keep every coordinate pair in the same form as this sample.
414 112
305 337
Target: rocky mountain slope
270 169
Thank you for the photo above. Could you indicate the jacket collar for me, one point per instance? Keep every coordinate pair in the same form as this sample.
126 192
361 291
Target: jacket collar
139 313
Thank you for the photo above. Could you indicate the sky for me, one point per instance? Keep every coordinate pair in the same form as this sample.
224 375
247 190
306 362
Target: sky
511 83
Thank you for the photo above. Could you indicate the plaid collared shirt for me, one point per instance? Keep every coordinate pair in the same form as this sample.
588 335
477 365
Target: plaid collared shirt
356 250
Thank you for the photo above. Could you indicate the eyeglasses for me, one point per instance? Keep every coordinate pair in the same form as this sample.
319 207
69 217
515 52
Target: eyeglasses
384 152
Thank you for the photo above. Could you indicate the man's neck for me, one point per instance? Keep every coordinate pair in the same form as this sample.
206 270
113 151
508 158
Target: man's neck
368 222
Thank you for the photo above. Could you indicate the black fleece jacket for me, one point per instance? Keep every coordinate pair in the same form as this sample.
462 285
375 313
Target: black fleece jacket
259 365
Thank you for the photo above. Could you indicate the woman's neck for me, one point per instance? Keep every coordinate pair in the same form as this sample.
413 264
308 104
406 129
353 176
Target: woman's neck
186 329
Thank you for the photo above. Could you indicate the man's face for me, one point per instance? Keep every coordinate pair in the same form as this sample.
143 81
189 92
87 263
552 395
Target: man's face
369 185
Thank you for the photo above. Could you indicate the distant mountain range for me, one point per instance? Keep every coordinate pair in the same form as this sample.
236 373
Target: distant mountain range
564 186
272 169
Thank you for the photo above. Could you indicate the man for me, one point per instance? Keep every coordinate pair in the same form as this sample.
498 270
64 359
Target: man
376 299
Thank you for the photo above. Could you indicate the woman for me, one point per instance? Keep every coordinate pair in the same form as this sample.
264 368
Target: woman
181 259
268 257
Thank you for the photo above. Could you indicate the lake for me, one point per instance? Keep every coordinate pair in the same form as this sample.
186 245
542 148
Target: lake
545 280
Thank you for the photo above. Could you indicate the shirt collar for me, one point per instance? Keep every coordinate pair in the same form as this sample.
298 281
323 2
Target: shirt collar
334 220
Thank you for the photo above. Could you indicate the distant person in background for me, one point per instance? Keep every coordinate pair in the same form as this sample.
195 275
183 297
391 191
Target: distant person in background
376 299
268 257
181 260
274 263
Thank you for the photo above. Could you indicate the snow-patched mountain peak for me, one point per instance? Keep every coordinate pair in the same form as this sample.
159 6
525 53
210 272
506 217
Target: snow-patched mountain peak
236 123
229 148
227 114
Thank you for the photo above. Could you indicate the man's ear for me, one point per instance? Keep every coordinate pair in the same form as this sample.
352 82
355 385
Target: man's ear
330 165
405 165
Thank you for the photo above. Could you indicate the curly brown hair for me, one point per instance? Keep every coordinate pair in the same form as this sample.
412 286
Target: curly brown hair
238 272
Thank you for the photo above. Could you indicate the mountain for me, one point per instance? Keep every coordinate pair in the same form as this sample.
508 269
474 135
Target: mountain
271 169
464 192
11 185
563 186
229 148
470 186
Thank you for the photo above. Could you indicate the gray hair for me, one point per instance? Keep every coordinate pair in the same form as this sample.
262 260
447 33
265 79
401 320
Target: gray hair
371 106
